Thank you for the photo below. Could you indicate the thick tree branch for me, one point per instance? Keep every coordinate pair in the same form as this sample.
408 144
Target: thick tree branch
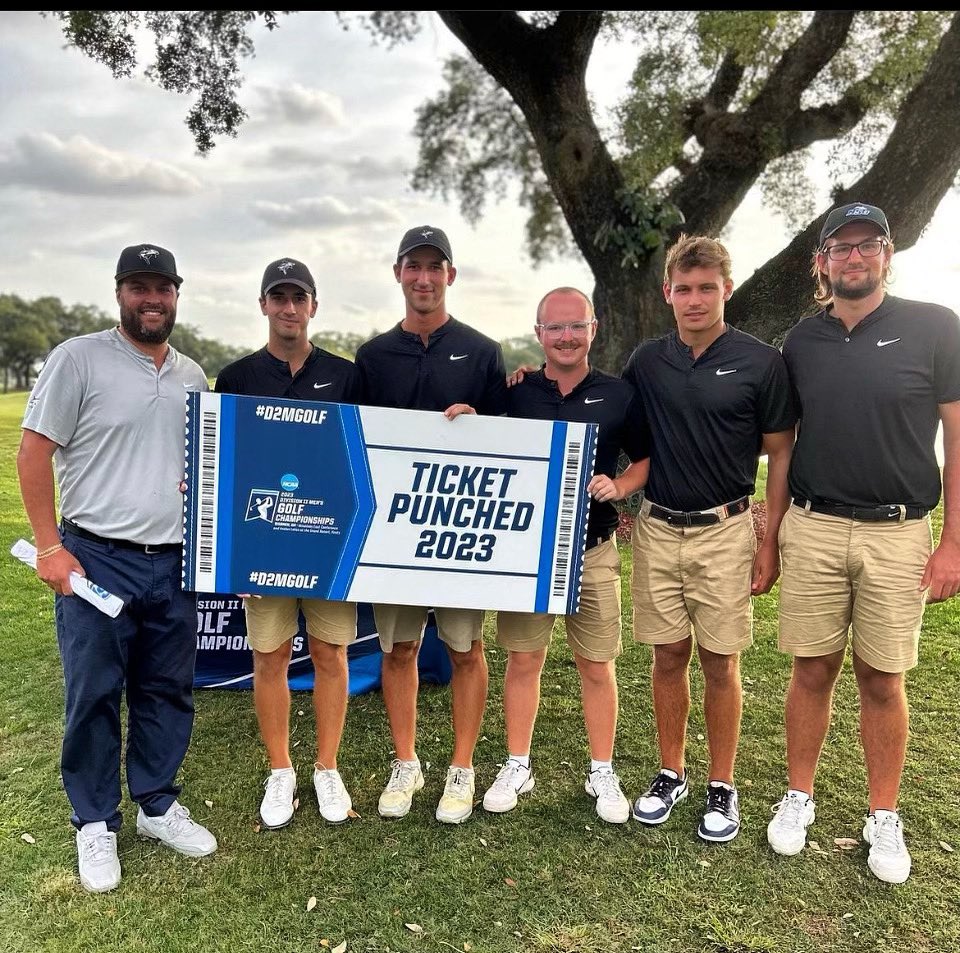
800 63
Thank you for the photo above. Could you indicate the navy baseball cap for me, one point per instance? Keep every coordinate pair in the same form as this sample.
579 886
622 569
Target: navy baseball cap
147 260
287 271
855 212
425 235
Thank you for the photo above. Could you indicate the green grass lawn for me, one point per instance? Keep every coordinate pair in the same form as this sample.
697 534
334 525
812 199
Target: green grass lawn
549 876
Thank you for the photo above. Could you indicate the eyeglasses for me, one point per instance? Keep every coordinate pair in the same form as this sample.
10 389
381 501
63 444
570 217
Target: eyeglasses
843 250
578 329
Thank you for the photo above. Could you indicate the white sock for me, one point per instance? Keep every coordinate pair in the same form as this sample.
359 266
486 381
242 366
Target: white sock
880 814
521 759
793 792
600 766
276 771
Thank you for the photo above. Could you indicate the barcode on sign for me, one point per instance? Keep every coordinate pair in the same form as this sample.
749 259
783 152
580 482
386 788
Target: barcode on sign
209 429
568 505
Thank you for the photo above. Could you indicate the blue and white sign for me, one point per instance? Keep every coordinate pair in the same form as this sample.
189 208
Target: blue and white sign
392 506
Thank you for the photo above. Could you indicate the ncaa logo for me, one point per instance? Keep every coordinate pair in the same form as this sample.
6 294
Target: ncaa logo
289 481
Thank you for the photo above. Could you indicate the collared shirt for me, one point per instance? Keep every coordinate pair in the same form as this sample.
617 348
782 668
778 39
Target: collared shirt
324 376
707 416
868 403
118 421
458 365
599 398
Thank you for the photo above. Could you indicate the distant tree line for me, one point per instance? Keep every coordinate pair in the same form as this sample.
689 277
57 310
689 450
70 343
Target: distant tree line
29 330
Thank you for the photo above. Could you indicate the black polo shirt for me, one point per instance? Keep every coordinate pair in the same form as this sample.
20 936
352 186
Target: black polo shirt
600 399
707 417
324 376
457 366
868 403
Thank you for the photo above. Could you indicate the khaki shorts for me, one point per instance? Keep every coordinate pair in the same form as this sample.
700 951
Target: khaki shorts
458 628
840 573
273 620
694 578
592 633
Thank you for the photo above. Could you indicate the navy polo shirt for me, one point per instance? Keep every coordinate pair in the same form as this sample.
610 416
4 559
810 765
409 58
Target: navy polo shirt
458 365
600 399
868 403
707 417
324 376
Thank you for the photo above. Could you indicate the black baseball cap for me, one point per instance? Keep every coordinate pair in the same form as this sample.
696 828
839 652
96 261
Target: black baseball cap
425 235
147 260
855 212
287 271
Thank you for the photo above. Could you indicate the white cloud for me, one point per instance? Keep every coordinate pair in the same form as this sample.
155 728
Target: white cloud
77 166
297 104
324 210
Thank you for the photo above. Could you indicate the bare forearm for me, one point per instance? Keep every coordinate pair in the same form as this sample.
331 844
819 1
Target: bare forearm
36 487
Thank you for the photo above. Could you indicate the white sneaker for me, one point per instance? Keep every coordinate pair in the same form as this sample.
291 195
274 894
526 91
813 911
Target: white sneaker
406 779
787 832
278 804
512 781
177 830
332 797
612 806
97 857
889 858
456 802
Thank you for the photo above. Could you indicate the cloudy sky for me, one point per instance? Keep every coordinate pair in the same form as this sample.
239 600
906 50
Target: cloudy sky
89 164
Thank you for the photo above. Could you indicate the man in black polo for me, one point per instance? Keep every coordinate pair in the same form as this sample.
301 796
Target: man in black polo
430 361
873 376
290 366
714 398
568 388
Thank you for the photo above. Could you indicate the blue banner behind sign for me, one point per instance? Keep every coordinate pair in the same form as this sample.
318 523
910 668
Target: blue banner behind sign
224 659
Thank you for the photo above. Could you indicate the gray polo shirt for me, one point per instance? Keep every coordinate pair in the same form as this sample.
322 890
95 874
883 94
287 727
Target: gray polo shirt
868 403
119 424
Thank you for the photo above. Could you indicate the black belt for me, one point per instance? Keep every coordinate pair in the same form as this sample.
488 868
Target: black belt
700 517
888 513
148 548
597 540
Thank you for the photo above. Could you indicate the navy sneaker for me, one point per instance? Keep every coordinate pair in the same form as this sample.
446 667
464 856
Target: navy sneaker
666 790
721 813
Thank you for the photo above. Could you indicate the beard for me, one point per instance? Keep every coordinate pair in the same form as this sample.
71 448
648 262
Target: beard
131 323
841 289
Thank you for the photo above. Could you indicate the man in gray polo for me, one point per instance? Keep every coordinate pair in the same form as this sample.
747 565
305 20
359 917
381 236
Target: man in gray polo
873 376
107 413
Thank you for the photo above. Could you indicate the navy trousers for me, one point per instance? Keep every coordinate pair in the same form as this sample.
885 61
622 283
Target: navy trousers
149 651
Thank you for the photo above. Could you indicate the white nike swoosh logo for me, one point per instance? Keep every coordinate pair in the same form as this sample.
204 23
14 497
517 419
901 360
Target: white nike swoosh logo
458 357
721 373
318 386
592 400
882 343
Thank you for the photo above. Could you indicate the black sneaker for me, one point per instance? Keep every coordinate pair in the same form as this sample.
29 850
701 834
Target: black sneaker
665 791
721 813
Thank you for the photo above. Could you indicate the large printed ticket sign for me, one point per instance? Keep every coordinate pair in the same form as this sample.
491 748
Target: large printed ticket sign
370 504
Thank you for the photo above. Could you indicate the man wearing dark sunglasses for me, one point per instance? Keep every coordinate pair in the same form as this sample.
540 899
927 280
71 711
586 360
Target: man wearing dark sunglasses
873 376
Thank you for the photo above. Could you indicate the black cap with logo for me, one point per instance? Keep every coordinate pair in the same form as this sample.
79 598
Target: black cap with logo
147 260
855 212
425 235
287 271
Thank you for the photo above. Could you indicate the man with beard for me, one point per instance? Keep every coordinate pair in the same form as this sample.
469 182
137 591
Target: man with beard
107 413
873 376
290 366
431 361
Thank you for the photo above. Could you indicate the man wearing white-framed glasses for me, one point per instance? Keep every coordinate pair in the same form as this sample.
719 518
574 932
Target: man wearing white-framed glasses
873 375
